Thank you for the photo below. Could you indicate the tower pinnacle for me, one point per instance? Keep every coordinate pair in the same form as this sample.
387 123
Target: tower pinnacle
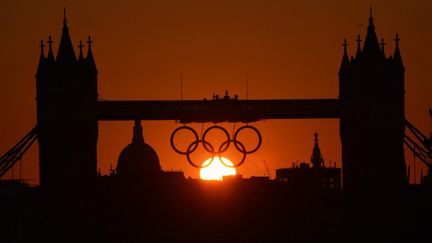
382 44
345 44
358 52
65 54
90 60
89 42
50 41
397 40
64 18
397 56
80 46
371 48
42 46
41 65
50 56
345 60
316 159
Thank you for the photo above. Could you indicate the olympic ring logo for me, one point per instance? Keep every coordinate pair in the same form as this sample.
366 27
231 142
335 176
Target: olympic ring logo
209 147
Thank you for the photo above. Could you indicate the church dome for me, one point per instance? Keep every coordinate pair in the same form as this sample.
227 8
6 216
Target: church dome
138 159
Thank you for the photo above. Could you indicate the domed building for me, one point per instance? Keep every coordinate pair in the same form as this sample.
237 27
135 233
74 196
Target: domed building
138 159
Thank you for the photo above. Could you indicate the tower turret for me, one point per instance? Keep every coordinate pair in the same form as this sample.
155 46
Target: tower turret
345 60
80 56
382 44
50 57
42 60
358 52
90 62
397 58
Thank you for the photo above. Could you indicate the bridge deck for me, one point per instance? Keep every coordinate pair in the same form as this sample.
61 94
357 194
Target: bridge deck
221 110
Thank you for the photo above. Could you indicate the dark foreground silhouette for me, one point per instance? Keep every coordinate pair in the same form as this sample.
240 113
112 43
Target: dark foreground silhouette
171 208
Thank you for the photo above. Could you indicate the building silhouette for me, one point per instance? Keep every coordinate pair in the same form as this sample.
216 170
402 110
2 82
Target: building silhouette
315 178
371 91
138 159
66 95
303 204
371 103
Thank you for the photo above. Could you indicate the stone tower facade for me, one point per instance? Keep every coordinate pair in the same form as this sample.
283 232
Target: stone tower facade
66 95
371 90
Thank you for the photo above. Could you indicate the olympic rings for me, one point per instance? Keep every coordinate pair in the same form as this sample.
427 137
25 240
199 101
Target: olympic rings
174 133
243 149
195 143
223 130
222 148
235 143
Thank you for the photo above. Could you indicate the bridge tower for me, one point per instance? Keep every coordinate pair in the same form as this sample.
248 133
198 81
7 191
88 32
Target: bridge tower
371 90
66 95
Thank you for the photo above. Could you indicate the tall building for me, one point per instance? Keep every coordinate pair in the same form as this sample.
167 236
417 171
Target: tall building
66 95
371 90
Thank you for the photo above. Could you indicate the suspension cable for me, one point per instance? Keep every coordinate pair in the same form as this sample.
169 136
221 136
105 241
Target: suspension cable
10 158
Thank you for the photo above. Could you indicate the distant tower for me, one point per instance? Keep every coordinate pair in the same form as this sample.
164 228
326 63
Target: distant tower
66 95
309 179
138 159
316 159
371 89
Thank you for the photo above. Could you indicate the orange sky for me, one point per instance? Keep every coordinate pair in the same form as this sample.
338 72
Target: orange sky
289 49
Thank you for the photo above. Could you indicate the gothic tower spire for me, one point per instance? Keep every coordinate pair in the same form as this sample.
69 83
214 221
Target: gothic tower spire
382 44
371 47
42 59
397 56
66 53
90 60
80 57
42 47
64 18
50 56
345 60
358 52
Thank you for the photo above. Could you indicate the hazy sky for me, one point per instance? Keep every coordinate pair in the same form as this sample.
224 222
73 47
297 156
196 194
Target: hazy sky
290 49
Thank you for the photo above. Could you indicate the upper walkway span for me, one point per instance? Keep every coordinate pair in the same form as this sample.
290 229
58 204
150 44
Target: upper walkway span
218 110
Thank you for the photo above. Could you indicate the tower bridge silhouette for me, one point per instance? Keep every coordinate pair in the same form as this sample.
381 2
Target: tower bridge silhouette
370 109
73 201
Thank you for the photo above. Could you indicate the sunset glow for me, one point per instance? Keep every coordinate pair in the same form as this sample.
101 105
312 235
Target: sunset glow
216 170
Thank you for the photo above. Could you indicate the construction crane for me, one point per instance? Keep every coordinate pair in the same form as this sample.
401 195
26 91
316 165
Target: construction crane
266 168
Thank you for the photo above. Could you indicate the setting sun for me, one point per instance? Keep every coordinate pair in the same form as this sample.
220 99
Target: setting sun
216 170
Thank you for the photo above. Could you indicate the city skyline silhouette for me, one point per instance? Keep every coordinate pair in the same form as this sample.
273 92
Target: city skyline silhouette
85 108
297 142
